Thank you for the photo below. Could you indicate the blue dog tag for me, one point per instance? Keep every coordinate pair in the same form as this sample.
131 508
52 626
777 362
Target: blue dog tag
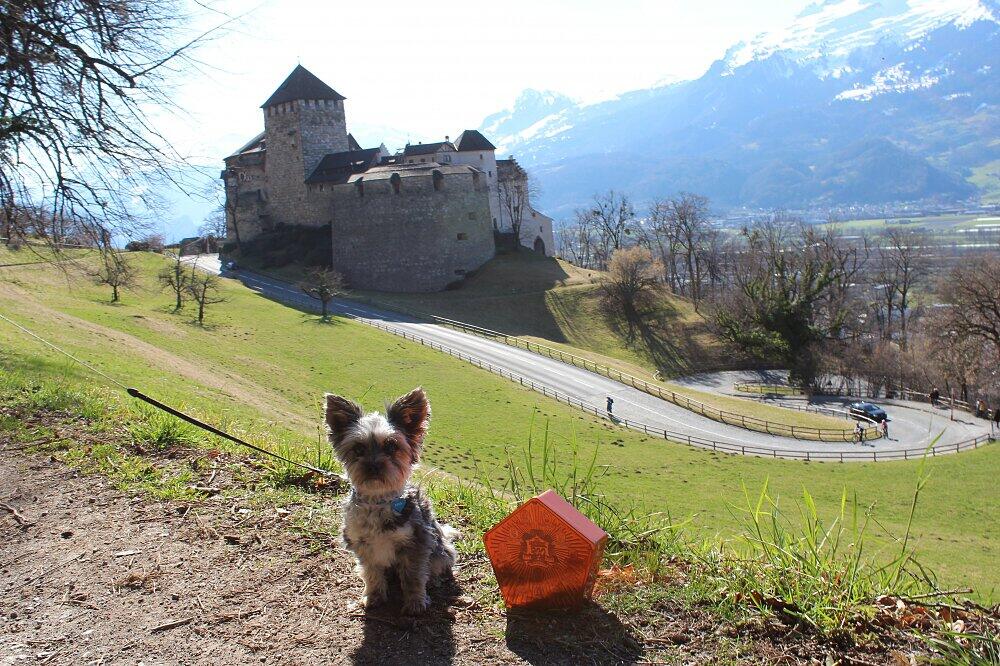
398 505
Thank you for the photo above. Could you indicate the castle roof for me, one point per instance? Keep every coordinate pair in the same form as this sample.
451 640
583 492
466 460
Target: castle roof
338 167
426 148
385 172
253 145
473 140
301 84
352 143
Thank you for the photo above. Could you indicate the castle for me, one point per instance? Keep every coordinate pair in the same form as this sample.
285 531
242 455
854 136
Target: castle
417 220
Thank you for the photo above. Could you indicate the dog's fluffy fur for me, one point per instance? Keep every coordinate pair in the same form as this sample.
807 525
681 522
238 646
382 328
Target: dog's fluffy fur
378 453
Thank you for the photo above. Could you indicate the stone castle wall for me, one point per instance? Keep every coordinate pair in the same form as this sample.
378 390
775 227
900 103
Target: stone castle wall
419 239
299 134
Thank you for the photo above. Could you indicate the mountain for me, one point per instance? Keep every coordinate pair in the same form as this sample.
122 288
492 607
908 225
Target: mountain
857 101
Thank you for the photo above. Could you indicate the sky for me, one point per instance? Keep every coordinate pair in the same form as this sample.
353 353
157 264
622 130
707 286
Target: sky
423 70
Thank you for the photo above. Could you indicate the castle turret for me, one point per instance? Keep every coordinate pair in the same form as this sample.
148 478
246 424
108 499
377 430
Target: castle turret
303 121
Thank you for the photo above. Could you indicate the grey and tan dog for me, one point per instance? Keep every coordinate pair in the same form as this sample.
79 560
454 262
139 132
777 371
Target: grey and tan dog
388 524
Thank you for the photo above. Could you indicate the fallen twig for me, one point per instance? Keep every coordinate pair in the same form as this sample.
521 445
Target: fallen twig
18 518
171 625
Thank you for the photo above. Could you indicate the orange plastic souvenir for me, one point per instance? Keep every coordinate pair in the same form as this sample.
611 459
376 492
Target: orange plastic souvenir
545 554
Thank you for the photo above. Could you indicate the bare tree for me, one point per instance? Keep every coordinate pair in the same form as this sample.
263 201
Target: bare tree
579 241
78 80
177 279
214 224
514 191
628 289
686 217
204 289
612 216
323 284
972 290
116 272
900 263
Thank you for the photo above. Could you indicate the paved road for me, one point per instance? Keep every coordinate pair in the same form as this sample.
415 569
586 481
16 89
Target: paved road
590 388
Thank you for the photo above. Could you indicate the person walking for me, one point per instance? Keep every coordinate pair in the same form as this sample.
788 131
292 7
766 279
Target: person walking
885 428
859 433
935 394
611 404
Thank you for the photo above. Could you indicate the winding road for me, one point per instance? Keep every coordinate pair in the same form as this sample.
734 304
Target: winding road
914 426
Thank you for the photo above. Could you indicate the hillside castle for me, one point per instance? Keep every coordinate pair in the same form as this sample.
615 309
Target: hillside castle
417 220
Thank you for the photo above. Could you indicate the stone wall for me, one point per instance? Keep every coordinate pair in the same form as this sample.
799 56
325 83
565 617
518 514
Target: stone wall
246 194
299 134
421 238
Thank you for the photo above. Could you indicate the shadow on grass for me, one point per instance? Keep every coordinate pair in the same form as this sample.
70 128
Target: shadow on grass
319 320
591 635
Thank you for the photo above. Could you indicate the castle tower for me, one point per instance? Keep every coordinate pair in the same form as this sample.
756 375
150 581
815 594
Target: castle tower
303 121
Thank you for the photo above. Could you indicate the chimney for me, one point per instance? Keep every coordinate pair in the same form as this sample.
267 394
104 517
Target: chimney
447 138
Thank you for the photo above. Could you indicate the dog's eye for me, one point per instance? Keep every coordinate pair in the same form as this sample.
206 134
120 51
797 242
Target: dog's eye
390 447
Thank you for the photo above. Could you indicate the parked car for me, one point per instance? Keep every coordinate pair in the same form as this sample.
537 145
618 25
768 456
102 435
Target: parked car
230 266
867 410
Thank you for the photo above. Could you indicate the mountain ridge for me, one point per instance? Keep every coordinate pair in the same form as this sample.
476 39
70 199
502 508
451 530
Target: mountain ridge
906 117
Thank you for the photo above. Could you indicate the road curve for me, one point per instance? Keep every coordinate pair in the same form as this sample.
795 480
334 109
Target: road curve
577 384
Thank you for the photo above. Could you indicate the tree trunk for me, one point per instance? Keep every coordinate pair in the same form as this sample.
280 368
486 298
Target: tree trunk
201 311
177 306
114 293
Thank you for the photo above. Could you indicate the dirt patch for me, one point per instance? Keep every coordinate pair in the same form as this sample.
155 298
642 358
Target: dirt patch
92 574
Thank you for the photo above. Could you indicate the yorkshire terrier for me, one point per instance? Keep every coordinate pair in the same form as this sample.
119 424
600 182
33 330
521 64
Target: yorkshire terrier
388 524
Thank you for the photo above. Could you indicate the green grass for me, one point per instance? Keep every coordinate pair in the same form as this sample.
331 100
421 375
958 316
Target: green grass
260 369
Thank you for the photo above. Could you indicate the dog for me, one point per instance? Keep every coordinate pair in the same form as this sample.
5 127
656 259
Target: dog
389 525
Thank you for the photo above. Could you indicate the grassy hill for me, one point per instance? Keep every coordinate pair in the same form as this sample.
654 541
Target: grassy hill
260 369
554 302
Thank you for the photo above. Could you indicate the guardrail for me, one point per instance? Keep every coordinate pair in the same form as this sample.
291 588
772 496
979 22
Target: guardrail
763 388
723 416
691 440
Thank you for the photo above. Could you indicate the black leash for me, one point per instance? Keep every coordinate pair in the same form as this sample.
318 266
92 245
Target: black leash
136 393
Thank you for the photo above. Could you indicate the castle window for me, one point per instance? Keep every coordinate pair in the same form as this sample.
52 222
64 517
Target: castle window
463 236
491 174
360 185
396 182
422 160
438 180
472 215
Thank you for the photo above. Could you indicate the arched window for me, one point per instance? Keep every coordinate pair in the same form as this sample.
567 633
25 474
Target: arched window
438 179
397 183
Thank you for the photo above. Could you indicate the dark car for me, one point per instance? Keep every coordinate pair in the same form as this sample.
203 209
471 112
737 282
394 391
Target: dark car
867 410
230 266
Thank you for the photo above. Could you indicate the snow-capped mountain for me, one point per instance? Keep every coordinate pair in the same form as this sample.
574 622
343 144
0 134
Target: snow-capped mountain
857 101
825 34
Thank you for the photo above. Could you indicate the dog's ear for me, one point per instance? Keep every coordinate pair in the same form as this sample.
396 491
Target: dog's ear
411 414
339 414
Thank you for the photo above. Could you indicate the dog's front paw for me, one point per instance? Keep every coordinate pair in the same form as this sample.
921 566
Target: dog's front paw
416 605
373 599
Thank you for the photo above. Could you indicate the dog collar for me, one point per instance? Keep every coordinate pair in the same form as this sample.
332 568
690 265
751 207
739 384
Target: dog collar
397 504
